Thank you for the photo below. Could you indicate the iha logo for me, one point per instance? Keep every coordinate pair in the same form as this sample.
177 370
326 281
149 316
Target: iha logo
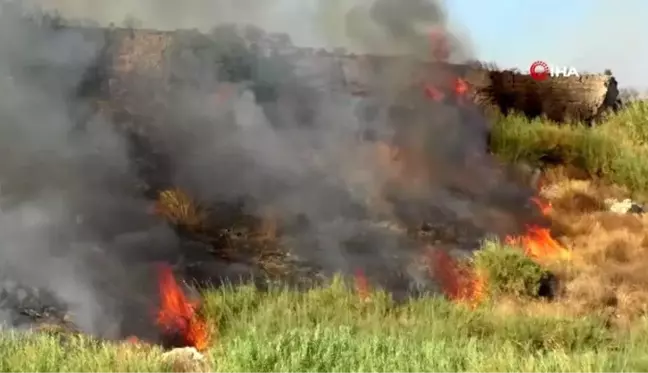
540 71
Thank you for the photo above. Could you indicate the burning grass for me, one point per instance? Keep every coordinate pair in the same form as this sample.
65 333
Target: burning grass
538 244
181 324
608 271
599 259
459 281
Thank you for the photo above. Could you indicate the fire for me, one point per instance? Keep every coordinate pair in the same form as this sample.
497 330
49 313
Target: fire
458 282
460 87
545 207
440 51
461 90
538 244
362 285
177 316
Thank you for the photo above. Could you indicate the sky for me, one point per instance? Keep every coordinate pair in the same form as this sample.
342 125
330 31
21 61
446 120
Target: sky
589 35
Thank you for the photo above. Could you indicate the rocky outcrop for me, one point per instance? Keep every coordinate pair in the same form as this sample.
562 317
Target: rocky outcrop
561 99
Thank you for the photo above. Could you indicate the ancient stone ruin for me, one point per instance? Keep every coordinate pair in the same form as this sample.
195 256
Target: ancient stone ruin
160 56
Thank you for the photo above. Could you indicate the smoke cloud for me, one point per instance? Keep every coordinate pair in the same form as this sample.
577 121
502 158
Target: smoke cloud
268 128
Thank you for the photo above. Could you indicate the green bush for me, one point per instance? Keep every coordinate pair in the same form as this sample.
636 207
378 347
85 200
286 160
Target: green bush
508 270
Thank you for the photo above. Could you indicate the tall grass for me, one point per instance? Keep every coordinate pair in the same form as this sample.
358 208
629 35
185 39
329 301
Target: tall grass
616 150
332 329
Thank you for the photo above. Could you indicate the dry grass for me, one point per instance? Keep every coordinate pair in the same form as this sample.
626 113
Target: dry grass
608 271
179 209
257 238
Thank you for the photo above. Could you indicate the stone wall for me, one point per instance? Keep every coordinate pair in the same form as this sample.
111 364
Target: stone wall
136 69
146 54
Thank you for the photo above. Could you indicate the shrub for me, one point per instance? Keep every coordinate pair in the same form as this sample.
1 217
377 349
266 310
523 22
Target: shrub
508 270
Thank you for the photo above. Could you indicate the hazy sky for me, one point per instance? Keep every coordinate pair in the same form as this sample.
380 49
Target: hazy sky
590 35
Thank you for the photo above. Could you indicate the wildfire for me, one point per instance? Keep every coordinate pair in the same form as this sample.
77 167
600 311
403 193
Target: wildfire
362 287
177 316
460 87
538 244
545 207
440 52
461 90
459 283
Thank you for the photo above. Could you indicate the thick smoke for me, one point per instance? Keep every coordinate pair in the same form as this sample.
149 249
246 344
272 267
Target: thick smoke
270 129
67 192
289 141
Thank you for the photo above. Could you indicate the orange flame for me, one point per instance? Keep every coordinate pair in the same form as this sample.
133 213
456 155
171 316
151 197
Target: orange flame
461 91
178 316
458 283
538 244
133 339
545 207
460 87
362 285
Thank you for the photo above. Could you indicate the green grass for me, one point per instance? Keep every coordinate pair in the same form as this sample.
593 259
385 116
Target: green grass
331 329
616 150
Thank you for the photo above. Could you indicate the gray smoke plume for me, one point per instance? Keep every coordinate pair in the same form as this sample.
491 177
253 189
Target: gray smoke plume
268 126
67 195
